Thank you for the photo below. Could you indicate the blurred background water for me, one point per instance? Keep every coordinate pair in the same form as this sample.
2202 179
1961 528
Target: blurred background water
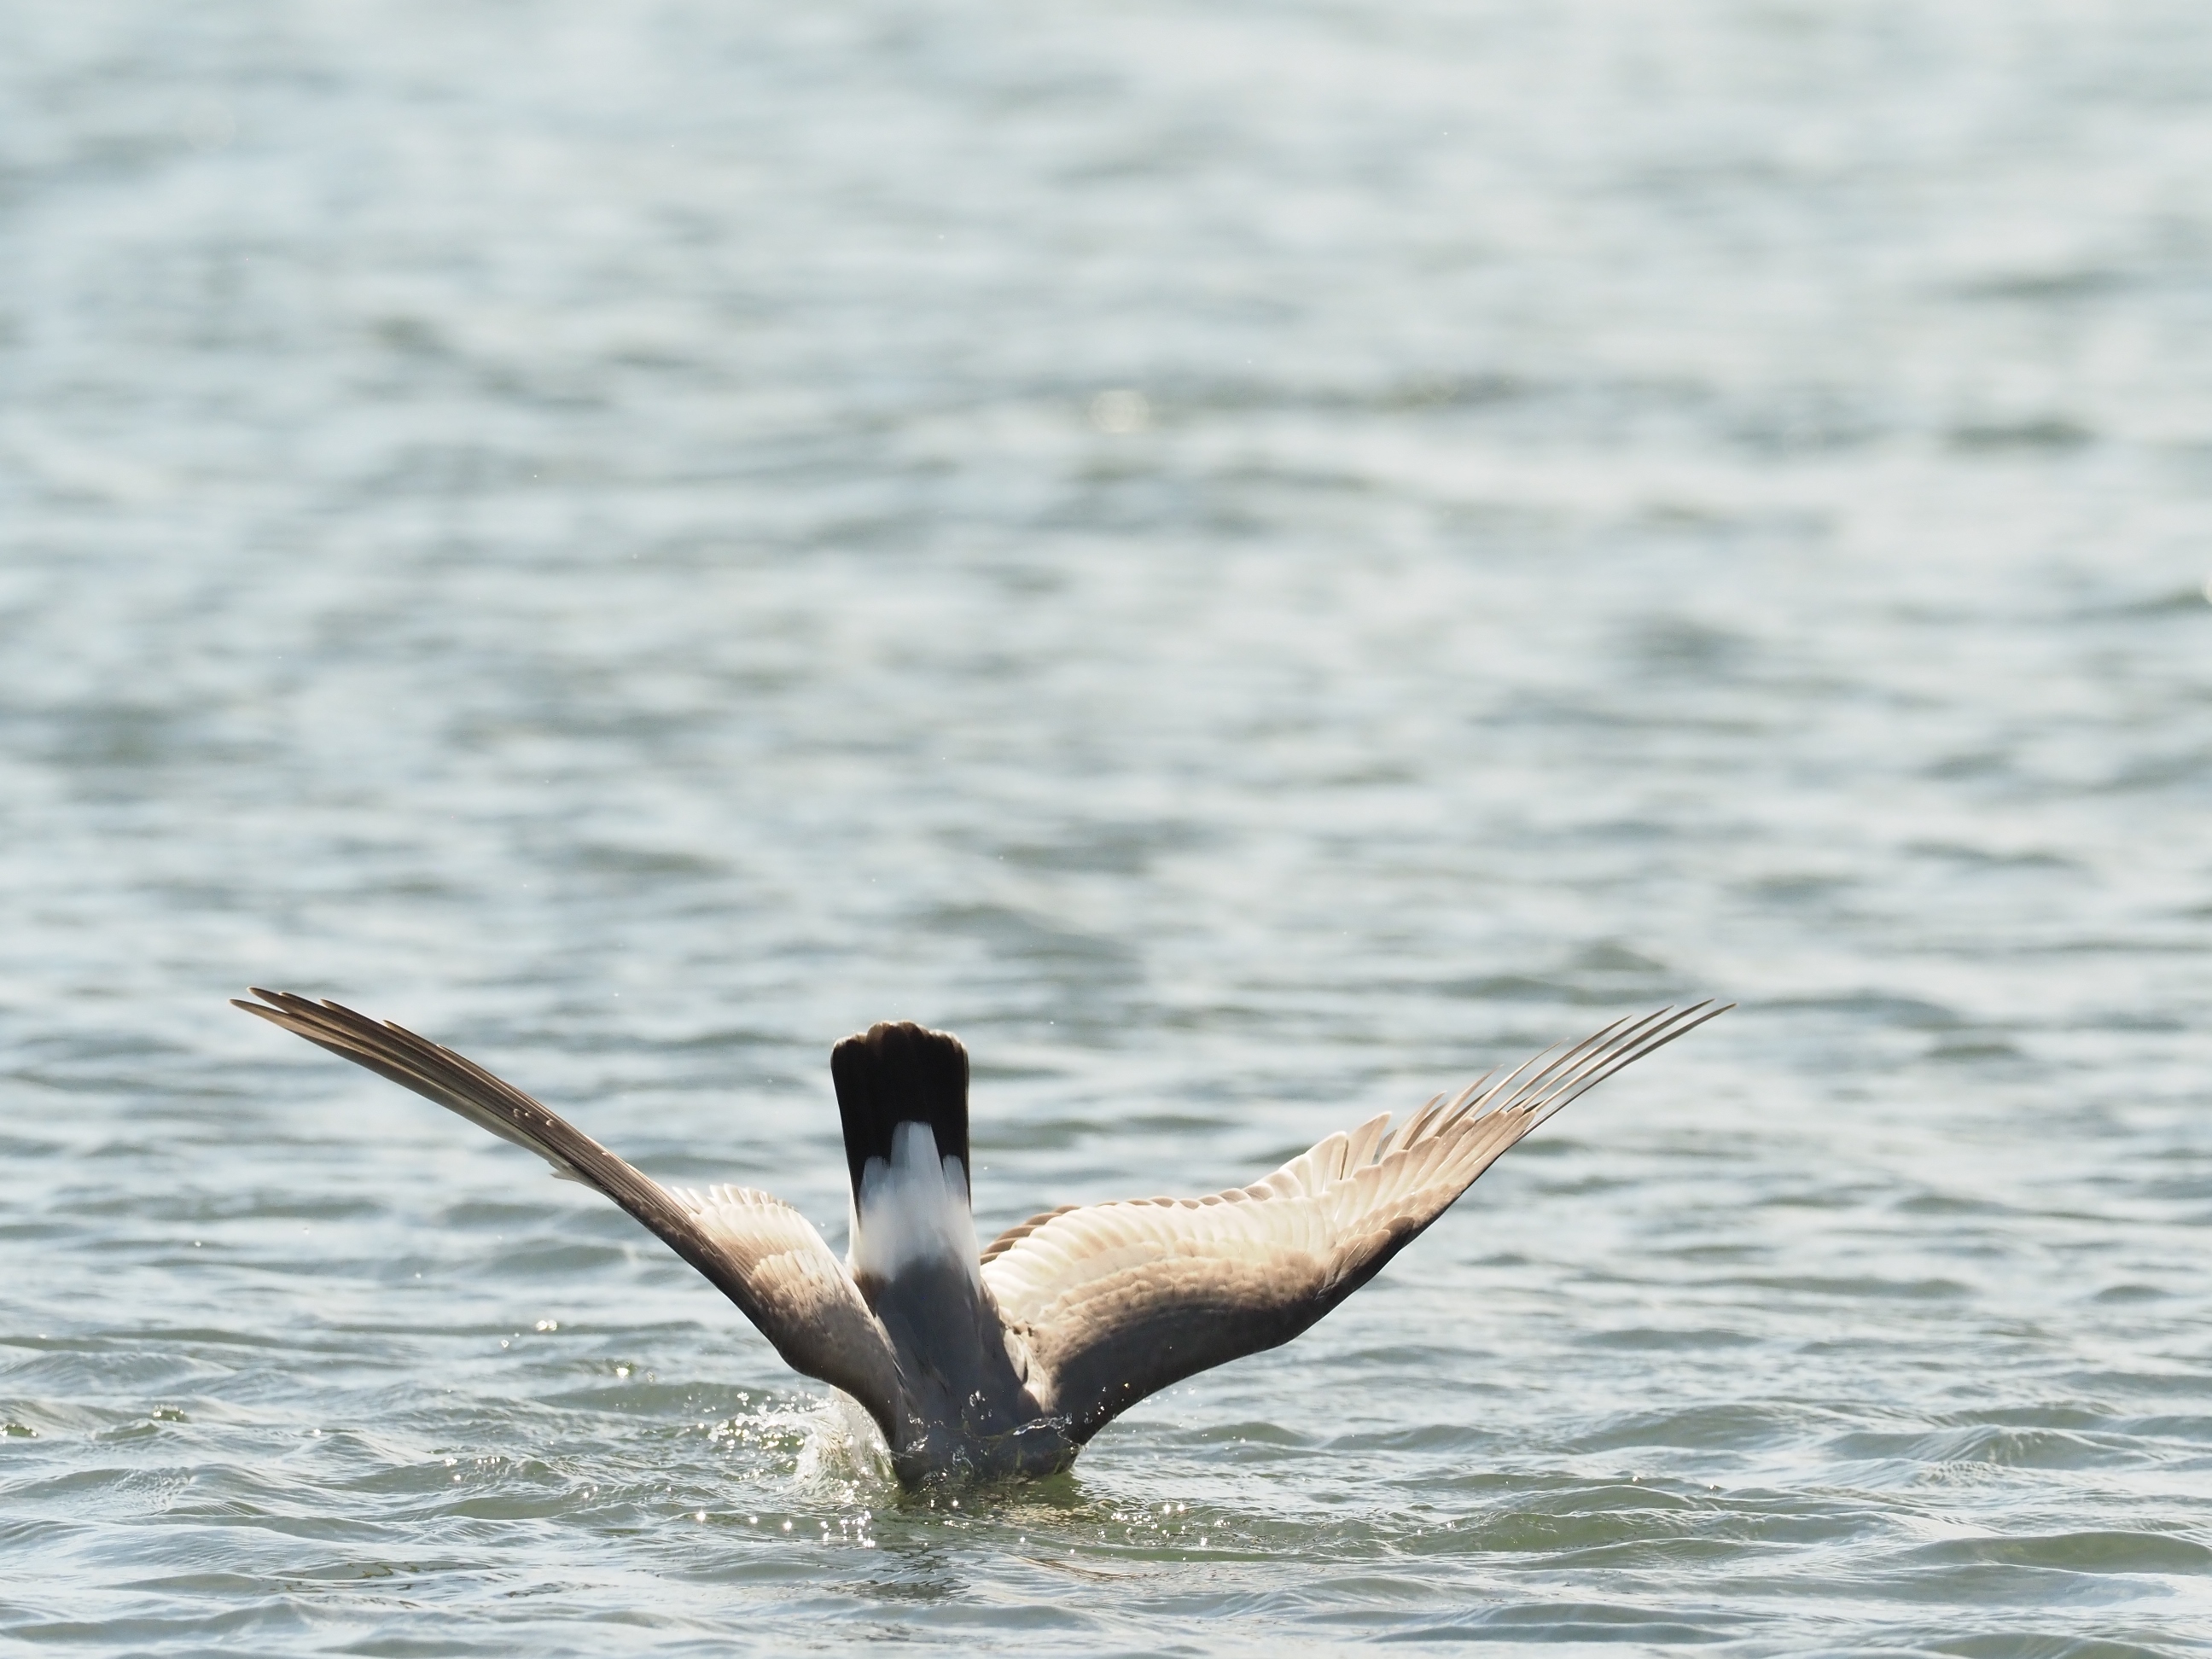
1252 561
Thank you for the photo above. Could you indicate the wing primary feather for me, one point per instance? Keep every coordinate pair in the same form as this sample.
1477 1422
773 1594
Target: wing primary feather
1424 1121
1585 1063
1591 1051
1682 1025
1530 1071
1579 1060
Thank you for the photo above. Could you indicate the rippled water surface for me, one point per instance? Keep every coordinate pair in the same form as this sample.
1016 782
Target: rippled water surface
1252 561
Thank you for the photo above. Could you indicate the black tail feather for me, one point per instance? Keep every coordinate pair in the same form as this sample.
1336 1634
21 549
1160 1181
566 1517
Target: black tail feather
895 1074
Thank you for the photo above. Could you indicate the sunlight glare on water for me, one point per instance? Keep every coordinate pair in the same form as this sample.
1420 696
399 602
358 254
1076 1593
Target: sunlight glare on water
1253 564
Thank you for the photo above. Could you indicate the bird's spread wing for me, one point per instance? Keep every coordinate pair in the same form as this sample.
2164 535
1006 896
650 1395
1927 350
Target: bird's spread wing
1117 1301
759 1252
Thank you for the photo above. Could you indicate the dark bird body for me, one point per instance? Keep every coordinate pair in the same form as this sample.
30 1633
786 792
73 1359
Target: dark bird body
1001 1362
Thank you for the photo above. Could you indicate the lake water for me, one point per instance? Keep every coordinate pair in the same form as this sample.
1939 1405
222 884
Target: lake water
1252 561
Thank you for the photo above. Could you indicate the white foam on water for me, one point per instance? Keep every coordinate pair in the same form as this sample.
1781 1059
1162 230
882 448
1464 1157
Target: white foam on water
843 1455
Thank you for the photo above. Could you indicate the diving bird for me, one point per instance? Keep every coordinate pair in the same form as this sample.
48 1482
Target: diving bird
1003 1362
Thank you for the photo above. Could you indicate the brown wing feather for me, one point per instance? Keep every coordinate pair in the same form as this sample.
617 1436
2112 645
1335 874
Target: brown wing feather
1117 1301
755 1249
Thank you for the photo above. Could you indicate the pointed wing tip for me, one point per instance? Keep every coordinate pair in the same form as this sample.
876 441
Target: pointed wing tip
271 1007
282 1008
1683 1017
291 1002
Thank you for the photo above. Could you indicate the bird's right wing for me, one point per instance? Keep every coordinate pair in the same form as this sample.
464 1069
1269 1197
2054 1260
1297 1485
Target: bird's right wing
757 1249
1109 1303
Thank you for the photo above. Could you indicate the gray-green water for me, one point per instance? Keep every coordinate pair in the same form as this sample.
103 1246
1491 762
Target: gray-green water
1253 563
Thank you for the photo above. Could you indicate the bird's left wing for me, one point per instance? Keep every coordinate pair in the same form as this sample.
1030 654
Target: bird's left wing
1109 1303
755 1248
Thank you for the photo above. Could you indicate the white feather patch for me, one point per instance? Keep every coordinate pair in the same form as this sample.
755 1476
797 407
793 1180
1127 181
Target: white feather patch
912 1208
